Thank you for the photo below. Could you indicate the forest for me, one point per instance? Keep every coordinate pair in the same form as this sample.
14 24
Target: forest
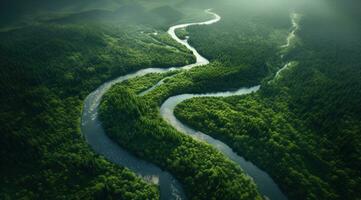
46 72
307 121
134 123
303 127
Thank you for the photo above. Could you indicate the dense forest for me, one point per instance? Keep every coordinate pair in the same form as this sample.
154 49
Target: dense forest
47 70
135 124
303 127
307 121
243 38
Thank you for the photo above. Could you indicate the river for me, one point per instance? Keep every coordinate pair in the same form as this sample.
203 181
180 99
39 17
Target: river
170 188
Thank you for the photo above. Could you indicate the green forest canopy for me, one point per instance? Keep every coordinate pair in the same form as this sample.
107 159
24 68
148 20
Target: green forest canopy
52 54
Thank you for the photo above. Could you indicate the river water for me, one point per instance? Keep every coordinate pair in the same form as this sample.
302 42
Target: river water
265 184
170 188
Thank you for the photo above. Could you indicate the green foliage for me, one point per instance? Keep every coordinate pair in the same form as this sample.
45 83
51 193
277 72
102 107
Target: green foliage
140 84
242 38
202 79
201 169
181 33
125 107
307 121
205 173
46 72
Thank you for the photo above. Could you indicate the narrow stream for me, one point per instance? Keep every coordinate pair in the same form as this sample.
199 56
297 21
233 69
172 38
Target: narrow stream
170 188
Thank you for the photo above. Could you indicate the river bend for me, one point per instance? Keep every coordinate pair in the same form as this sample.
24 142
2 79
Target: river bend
170 188
92 130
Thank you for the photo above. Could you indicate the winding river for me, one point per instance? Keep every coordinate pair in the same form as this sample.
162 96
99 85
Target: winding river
95 136
170 188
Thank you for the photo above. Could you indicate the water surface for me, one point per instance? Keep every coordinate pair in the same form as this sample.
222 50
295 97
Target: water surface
170 188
